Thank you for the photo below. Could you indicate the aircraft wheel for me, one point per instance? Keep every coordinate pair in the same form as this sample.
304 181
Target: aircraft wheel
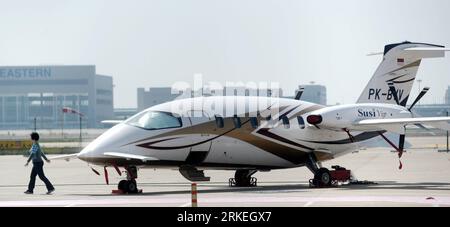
128 186
122 185
131 187
242 179
323 177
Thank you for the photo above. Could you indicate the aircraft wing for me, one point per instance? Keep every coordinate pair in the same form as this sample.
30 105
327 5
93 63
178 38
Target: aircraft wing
64 157
397 125
130 156
112 122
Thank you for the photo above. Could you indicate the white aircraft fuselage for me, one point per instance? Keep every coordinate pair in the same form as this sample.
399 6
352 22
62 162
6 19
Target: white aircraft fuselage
270 144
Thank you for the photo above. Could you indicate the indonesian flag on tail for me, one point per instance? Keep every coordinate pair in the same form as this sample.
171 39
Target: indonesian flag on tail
400 61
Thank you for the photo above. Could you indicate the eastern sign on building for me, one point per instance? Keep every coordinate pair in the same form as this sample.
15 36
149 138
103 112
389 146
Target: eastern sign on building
26 73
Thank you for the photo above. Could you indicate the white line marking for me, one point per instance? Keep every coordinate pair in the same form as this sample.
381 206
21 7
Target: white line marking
185 205
308 204
224 201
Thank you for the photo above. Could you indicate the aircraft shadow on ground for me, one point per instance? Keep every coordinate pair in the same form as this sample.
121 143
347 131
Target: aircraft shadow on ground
294 187
393 185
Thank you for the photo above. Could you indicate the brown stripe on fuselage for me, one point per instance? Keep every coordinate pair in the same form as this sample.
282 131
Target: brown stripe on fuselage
296 156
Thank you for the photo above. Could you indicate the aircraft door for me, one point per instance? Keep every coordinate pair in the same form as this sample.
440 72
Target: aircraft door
199 152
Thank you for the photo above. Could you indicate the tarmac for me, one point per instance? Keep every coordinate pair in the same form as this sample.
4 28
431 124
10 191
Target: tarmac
423 181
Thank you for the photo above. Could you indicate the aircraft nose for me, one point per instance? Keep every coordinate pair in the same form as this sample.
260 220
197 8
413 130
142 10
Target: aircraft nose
115 139
85 154
110 141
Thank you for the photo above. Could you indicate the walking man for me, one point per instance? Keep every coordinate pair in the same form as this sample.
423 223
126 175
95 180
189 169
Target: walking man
36 155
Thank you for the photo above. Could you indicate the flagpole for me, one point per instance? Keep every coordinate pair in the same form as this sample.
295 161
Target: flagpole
80 115
81 140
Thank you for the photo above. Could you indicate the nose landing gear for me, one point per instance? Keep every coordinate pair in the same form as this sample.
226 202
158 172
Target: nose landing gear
128 186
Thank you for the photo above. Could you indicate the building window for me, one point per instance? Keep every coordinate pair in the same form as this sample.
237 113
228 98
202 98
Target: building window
104 102
104 92
11 109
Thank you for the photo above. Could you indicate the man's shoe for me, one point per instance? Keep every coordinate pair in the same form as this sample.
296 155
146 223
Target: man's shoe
50 192
28 192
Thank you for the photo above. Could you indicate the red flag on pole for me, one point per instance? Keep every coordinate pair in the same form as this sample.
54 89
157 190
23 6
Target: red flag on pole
72 111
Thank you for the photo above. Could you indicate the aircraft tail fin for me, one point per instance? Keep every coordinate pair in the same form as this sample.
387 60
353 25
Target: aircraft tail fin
400 64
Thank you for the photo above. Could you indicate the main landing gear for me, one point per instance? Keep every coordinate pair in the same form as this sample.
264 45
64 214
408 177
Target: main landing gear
243 178
129 186
324 177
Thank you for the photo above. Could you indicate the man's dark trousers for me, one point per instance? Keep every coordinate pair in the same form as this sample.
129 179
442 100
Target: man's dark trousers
39 171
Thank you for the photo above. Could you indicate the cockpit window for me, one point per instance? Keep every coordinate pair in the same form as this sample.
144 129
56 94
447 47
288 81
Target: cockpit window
153 120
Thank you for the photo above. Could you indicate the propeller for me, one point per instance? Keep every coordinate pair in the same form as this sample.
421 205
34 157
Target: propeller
401 145
419 97
401 142
395 95
424 91
422 127
299 94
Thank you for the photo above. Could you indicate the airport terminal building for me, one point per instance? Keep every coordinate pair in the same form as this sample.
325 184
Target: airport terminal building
36 95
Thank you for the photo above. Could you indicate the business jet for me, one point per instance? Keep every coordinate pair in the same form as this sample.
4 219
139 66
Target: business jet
266 133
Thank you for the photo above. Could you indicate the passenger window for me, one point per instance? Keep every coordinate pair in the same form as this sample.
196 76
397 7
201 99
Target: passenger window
219 122
301 122
254 122
285 120
237 121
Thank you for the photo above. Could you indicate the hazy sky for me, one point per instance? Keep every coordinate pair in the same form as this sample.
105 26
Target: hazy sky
158 42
